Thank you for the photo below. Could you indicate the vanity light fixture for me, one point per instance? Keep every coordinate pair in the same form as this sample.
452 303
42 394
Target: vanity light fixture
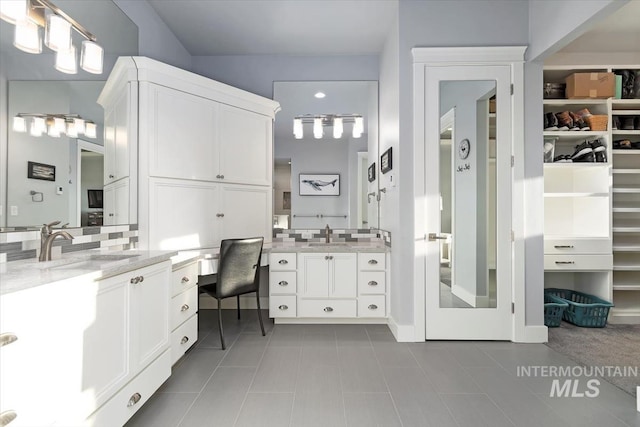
29 15
54 125
321 120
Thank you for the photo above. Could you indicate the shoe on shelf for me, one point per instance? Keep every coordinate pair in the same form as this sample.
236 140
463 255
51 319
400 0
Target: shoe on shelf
622 144
616 122
599 150
579 122
584 113
565 122
550 122
562 158
583 153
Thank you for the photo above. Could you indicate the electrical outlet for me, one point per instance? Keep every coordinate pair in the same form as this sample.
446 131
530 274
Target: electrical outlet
58 190
14 211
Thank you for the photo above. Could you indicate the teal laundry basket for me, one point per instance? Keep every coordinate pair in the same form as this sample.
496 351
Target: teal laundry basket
584 310
553 310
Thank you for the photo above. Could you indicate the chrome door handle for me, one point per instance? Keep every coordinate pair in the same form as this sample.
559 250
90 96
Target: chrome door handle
134 399
283 261
372 307
184 340
328 309
373 283
433 237
185 279
283 307
283 283
184 307
6 417
373 261
7 338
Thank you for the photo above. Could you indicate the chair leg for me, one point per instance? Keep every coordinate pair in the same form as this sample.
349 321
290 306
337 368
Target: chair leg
260 312
238 307
220 323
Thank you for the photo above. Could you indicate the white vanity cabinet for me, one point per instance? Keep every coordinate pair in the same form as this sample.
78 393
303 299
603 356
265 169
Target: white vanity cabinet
118 133
87 352
117 203
184 309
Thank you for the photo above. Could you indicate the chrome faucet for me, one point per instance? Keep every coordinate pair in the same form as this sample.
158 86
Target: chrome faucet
327 234
47 237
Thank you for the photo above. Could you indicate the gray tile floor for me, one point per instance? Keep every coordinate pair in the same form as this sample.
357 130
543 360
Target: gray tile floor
358 375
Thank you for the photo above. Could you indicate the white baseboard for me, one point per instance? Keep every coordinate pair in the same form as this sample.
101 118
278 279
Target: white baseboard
246 301
402 333
534 334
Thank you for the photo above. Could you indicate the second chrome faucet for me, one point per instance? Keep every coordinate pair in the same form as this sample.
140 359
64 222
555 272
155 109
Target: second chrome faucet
327 234
47 237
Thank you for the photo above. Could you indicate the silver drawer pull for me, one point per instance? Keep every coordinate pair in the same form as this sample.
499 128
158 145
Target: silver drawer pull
110 214
135 280
283 262
184 340
6 417
142 278
283 283
184 307
218 176
372 307
221 176
134 399
328 309
185 279
220 215
373 261
7 338
283 307
373 283
565 262
563 246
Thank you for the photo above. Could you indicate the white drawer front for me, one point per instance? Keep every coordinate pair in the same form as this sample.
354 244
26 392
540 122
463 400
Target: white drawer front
371 282
183 338
282 306
282 261
372 306
282 282
184 278
326 308
125 403
371 261
183 306
578 262
576 246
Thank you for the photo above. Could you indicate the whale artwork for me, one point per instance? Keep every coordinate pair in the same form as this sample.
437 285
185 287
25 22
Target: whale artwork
319 185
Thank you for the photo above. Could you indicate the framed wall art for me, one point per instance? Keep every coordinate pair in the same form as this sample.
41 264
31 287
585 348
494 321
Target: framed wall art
372 172
41 171
319 184
386 161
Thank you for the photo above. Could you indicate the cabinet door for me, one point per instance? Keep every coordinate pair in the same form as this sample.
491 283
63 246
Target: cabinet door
179 130
313 275
118 126
149 313
182 214
121 197
109 197
246 211
109 145
343 273
246 151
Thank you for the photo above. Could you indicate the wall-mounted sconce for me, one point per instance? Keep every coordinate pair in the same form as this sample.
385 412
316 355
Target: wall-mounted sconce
29 16
321 120
55 125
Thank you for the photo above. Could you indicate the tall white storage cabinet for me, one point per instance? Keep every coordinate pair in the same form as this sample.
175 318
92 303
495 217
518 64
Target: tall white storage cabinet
201 151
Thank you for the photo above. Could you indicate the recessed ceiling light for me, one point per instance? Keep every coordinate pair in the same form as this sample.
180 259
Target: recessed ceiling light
320 95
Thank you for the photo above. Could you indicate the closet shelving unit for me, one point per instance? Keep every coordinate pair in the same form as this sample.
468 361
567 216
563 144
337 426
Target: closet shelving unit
592 210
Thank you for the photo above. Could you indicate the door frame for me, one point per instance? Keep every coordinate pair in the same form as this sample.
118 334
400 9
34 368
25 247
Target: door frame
512 56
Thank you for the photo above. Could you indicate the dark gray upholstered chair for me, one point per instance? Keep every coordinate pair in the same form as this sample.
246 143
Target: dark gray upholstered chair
238 273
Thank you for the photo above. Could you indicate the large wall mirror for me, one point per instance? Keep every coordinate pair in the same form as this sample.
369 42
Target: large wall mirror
323 177
32 85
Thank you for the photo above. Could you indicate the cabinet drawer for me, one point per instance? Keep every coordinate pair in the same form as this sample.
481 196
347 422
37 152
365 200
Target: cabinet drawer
183 306
577 246
183 278
326 308
372 306
371 261
122 407
183 338
282 306
578 262
371 282
282 261
282 282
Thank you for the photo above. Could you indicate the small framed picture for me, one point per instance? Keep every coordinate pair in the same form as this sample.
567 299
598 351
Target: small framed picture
386 161
372 172
319 184
41 171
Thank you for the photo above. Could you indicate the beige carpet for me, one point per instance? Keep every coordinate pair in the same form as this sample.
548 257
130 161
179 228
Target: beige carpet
613 345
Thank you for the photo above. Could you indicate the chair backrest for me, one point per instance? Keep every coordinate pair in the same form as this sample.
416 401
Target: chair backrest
239 266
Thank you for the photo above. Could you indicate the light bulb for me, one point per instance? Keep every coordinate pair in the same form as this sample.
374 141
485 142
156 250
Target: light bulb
27 36
317 128
57 34
59 124
13 11
38 126
19 124
71 129
79 125
91 57
358 127
53 132
297 128
90 130
337 127
66 61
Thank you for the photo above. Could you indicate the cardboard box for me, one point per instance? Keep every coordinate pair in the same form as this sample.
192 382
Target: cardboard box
591 85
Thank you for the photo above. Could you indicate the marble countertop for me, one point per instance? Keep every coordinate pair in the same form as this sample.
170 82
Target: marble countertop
376 246
91 265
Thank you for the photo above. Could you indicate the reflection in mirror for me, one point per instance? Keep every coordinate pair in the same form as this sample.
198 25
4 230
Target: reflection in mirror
467 195
345 156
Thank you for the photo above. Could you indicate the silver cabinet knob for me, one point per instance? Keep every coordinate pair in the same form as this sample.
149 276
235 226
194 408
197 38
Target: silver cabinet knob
564 262
7 338
328 309
330 256
184 340
185 279
220 215
6 417
373 261
110 214
218 176
134 399
372 307
283 283
111 176
184 307
221 176
142 278
283 307
373 283
283 262
135 280
326 257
